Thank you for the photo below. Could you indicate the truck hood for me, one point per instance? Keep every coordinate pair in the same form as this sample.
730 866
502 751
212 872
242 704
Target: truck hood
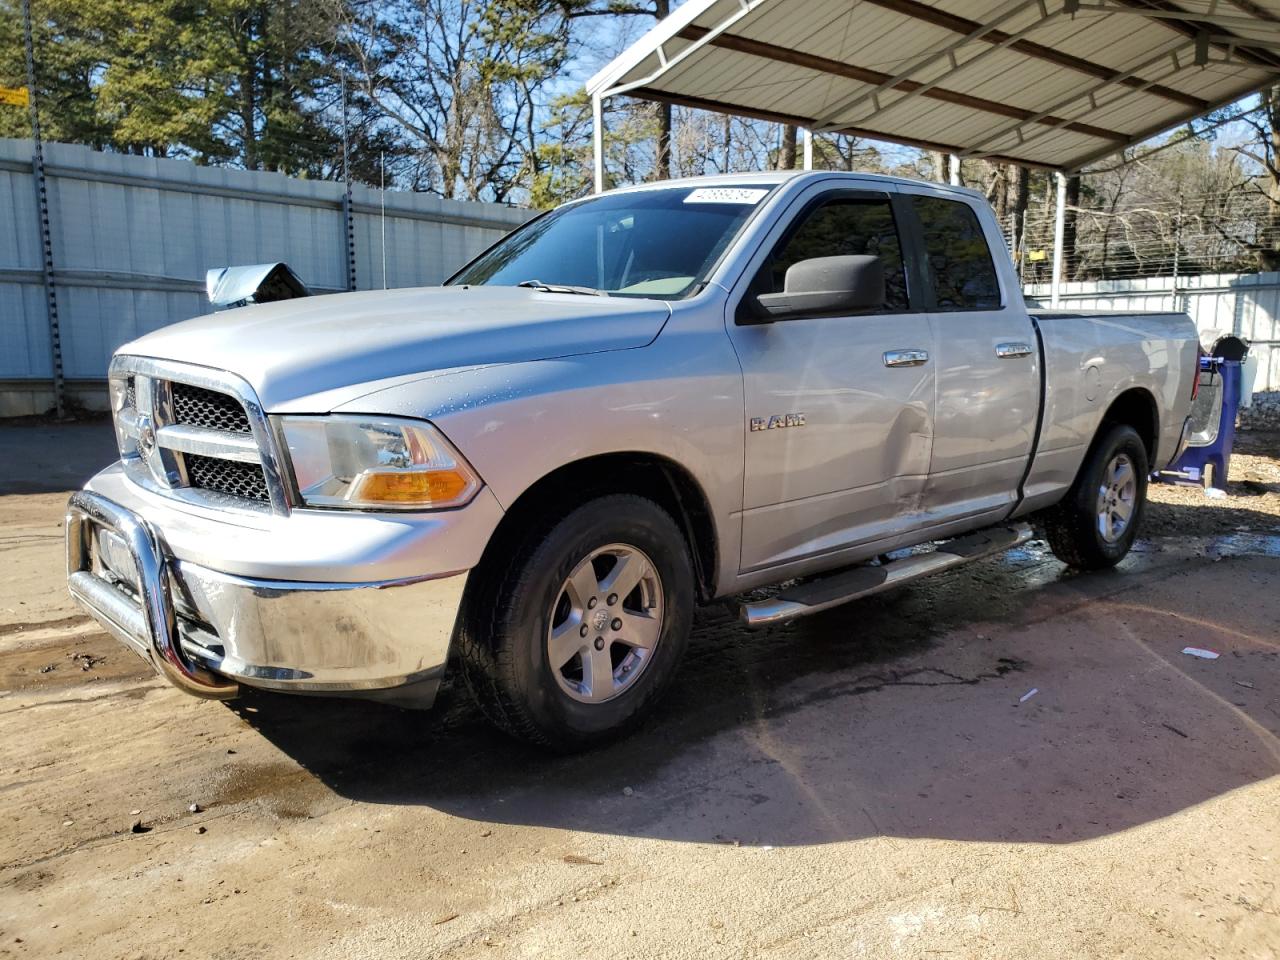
346 344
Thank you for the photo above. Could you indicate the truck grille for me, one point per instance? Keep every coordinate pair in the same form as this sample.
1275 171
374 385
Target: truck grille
228 477
188 432
198 407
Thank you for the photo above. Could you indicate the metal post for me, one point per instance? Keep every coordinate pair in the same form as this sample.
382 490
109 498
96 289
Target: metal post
955 170
42 210
1059 237
1177 247
383 218
597 143
808 149
348 220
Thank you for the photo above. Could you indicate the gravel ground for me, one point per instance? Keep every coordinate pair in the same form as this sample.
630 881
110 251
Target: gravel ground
1252 503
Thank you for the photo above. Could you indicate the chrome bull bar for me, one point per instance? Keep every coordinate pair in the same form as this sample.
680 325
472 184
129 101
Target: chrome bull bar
148 627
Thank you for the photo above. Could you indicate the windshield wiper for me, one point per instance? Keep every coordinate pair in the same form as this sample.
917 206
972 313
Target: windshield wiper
561 288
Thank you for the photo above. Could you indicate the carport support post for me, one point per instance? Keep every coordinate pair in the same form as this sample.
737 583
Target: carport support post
955 170
808 149
597 142
1059 236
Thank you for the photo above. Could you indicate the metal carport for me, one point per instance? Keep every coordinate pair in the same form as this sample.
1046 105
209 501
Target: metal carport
1055 84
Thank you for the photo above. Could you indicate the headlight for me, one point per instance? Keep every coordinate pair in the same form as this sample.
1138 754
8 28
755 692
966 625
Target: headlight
375 463
124 413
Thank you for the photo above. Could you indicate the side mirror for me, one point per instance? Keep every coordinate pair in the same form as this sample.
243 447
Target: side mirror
826 285
260 283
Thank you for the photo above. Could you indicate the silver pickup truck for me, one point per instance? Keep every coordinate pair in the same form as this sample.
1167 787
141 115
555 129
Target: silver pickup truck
633 404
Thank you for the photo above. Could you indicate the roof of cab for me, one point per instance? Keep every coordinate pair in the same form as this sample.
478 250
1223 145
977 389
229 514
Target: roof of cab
777 177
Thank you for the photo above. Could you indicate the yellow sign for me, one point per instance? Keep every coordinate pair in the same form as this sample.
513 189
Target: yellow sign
1035 256
14 96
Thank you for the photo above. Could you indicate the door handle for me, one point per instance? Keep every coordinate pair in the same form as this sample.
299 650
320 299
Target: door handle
905 358
1010 351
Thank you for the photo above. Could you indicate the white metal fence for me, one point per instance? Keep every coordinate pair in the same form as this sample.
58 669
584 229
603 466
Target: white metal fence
132 238
1246 304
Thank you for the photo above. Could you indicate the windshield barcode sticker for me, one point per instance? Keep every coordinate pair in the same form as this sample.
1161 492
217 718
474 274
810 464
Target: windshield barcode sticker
726 195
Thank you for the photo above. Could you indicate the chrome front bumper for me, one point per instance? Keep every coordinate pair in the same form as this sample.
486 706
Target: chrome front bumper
207 632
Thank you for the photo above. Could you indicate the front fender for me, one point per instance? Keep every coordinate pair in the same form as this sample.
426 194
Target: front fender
680 398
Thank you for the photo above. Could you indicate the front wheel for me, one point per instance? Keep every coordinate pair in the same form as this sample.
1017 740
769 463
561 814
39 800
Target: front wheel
570 641
1096 523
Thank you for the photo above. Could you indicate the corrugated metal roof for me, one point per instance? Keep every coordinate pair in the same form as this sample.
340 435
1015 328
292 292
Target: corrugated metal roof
1054 84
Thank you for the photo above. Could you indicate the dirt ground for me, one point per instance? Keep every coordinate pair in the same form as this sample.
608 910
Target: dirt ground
880 780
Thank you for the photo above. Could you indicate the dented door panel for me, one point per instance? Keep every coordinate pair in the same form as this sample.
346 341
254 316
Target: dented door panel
853 468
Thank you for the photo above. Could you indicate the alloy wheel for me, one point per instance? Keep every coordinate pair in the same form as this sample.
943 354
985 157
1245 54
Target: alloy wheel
1117 498
605 623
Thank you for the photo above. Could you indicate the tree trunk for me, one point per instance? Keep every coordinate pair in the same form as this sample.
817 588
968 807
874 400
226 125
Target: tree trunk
248 97
787 155
1020 196
1000 194
728 142
941 161
1069 229
663 160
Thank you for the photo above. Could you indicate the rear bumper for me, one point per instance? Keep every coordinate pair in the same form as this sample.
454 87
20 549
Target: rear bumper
207 631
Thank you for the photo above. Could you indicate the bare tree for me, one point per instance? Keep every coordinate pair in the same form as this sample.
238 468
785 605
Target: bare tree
657 9
463 79
1264 150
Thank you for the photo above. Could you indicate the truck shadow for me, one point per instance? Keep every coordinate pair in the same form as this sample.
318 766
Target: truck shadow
899 715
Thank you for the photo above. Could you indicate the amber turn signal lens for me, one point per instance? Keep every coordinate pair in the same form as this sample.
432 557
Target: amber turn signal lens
410 486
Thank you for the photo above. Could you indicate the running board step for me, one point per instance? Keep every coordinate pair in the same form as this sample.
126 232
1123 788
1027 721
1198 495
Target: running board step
862 581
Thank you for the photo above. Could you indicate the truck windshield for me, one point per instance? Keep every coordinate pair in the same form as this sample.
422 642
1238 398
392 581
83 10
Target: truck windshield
660 243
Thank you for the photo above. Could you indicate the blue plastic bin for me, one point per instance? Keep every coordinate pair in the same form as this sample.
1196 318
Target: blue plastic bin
1207 458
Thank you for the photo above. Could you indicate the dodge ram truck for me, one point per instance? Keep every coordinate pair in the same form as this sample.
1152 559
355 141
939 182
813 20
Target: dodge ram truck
660 396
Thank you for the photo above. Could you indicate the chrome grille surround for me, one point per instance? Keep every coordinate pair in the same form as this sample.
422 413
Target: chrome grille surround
172 411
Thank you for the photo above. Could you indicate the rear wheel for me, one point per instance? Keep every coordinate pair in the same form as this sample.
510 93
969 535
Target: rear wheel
570 640
1096 523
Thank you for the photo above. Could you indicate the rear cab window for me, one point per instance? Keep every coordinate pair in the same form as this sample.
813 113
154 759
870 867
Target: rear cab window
961 271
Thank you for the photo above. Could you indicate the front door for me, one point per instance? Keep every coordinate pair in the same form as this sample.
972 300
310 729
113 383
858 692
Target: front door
839 409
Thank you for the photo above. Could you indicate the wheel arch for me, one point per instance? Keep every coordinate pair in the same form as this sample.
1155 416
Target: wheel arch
644 474
1134 407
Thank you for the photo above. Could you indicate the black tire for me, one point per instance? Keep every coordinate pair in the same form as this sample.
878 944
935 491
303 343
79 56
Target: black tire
503 639
1074 527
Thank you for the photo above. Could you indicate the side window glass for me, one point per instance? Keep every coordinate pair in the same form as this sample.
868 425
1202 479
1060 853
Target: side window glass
964 276
840 228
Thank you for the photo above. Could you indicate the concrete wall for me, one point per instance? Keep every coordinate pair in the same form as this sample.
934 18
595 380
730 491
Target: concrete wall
133 238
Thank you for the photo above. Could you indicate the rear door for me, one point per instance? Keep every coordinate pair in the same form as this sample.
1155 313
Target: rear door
839 409
987 362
